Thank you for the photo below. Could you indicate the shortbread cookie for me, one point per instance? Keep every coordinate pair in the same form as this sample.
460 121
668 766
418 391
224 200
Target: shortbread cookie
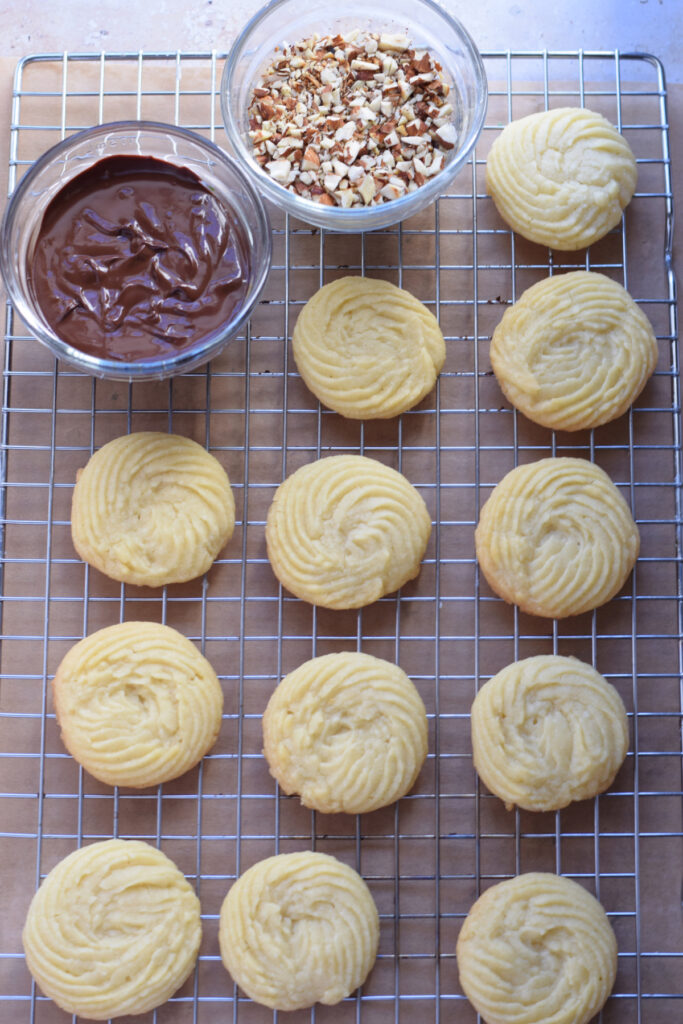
137 704
345 530
548 730
152 509
367 349
574 351
299 929
347 732
537 948
561 177
114 929
556 538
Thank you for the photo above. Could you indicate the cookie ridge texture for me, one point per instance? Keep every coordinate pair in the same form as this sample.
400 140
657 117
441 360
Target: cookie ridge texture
114 929
574 351
561 177
347 732
345 530
297 929
137 704
367 349
151 509
546 731
537 948
556 537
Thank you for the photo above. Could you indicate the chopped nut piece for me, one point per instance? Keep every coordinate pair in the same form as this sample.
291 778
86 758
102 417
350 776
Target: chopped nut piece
345 199
364 65
257 137
352 150
366 114
446 134
423 63
393 42
340 168
279 169
367 189
311 160
345 132
436 164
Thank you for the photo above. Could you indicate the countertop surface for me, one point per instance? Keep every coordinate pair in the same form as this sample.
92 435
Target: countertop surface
653 26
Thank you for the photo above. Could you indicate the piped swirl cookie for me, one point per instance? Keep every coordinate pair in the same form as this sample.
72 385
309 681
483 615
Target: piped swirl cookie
137 704
298 929
556 538
347 732
367 349
537 948
114 929
151 509
561 177
345 530
548 730
574 351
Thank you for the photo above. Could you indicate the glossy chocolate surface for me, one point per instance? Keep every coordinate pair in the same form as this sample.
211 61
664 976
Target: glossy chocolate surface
135 259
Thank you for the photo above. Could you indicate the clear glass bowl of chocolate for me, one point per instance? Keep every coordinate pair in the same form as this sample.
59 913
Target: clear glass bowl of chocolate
353 116
135 250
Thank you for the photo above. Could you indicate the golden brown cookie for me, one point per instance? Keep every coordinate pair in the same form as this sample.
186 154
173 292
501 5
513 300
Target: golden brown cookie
152 509
345 530
556 538
114 929
548 730
137 704
537 948
574 351
561 177
347 732
299 929
367 349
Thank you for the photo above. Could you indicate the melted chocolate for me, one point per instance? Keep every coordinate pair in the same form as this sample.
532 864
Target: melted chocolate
136 259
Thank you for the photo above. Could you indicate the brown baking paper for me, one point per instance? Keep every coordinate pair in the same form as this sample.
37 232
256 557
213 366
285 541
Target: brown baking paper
426 858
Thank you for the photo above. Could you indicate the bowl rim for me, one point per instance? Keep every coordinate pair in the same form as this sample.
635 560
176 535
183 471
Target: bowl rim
144 368
336 217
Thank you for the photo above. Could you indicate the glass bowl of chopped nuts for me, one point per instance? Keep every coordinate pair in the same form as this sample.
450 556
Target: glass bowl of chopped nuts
353 116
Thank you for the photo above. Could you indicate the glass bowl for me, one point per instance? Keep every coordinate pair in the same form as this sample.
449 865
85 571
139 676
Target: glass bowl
426 25
219 173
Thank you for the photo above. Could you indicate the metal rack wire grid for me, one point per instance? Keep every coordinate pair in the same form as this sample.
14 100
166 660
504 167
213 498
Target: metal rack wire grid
427 857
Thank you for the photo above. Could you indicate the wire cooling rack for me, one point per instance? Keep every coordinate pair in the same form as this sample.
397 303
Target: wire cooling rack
426 858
